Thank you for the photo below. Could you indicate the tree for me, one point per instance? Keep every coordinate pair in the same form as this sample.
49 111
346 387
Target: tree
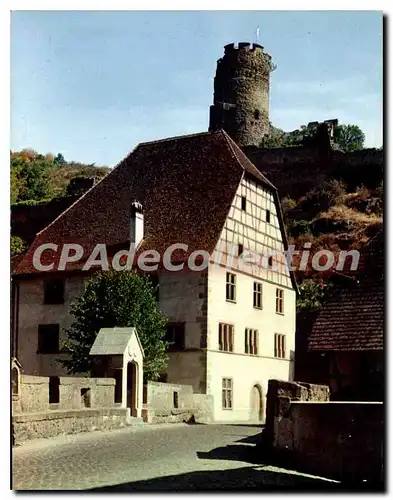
59 160
349 137
30 176
17 246
312 295
123 299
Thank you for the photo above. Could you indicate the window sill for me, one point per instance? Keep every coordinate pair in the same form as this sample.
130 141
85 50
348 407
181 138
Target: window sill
231 301
259 308
230 409
280 314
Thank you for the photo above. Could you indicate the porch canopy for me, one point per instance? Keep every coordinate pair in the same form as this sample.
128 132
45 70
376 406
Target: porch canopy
123 344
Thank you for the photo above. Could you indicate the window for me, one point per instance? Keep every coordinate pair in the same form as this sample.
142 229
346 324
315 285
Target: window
257 295
231 287
227 393
240 249
270 262
279 301
268 216
257 114
279 345
48 339
225 337
244 203
54 291
251 341
175 333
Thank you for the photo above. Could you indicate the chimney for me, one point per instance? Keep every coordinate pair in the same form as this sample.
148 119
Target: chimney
136 225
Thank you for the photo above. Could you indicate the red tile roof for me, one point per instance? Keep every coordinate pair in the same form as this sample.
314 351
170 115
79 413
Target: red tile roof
353 317
185 184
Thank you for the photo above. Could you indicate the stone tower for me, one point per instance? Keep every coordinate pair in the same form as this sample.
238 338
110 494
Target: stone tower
241 93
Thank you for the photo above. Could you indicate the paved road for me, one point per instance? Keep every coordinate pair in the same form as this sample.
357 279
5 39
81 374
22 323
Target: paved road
169 457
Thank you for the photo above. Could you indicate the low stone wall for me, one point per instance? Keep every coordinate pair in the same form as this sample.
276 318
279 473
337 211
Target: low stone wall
74 393
279 396
336 439
50 423
77 392
34 393
340 440
175 403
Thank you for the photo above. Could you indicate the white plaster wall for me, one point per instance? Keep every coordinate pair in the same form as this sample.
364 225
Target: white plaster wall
33 312
246 370
251 229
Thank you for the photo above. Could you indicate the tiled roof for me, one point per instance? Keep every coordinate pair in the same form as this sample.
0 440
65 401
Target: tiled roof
185 184
352 319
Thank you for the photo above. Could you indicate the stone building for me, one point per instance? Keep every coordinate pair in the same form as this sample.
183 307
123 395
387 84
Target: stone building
241 93
232 321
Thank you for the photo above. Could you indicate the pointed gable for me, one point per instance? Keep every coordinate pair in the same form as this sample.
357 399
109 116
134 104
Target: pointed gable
185 184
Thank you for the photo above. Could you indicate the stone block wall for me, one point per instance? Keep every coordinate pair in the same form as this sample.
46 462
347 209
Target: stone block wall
335 439
175 403
27 426
74 393
34 393
84 392
279 396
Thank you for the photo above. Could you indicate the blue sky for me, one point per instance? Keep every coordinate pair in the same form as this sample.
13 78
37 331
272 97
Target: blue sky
92 85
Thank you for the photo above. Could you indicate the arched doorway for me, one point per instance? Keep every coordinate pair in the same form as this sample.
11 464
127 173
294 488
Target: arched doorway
256 408
132 387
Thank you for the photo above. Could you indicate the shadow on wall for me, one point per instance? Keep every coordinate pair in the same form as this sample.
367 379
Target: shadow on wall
250 478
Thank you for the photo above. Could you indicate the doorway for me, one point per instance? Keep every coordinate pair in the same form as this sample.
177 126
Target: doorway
132 387
256 413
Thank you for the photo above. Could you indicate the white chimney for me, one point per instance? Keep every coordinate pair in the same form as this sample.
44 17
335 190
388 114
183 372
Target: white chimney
136 226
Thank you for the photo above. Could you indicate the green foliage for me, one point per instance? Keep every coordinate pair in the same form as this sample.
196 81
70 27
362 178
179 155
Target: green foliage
59 160
295 228
42 177
312 295
323 197
17 246
30 175
349 137
123 299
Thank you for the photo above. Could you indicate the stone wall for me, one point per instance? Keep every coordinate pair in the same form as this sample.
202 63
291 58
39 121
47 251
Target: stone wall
175 403
50 423
335 439
74 393
279 396
82 404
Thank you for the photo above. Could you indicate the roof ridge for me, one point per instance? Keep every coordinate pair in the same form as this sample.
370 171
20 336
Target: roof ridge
232 144
176 137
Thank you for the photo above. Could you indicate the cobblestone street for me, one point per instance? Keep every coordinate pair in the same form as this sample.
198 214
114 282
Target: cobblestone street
166 457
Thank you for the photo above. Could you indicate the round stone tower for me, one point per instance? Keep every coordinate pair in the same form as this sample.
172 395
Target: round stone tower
241 93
